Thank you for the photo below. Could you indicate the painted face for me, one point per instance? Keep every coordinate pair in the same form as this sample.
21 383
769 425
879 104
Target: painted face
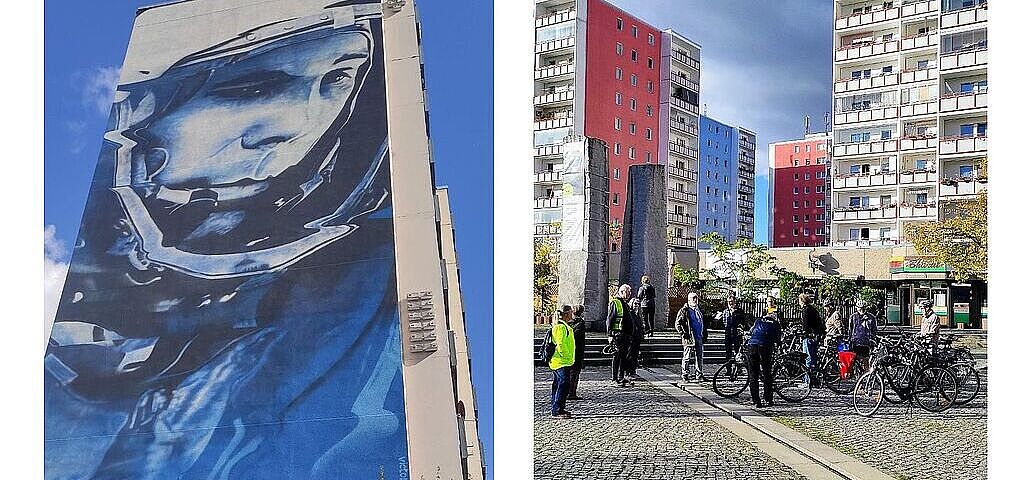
257 116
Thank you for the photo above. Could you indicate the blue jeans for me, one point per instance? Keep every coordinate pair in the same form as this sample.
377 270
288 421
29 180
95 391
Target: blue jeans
559 390
811 349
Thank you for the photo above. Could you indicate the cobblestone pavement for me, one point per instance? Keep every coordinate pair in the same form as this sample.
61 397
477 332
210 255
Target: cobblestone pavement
907 444
637 433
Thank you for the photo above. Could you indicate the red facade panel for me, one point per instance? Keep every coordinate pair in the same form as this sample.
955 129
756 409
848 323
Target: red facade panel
603 56
800 183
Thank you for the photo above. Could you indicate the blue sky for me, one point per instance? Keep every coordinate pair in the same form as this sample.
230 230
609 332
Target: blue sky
764 65
85 45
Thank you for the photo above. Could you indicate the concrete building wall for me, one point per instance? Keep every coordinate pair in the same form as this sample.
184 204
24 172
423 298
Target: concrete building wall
644 231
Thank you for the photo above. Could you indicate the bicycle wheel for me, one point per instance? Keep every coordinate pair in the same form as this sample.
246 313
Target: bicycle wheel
730 379
935 389
968 381
791 381
901 378
868 394
838 383
962 354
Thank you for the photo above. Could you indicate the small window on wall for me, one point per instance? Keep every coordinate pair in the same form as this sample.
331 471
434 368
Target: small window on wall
966 170
884 233
650 86
632 153
921 198
650 62
650 39
648 157
807 175
618 49
615 199
618 26
796 218
618 123
635 32
632 104
649 134
796 190
632 129
633 56
632 80
615 173
617 148
618 73
618 98
650 111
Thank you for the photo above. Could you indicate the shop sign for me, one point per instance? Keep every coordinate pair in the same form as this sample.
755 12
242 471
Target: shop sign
916 264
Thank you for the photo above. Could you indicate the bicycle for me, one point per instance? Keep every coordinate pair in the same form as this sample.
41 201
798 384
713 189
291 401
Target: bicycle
733 377
931 386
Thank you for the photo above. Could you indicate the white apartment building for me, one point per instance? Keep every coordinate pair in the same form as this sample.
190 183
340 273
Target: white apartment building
745 184
909 112
680 88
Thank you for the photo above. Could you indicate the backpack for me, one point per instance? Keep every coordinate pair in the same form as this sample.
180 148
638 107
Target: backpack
547 349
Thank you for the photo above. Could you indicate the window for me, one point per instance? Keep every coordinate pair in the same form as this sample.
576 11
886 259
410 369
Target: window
632 104
650 111
886 69
615 173
618 73
650 86
796 218
807 232
796 204
886 134
796 190
967 130
854 233
796 176
921 198
649 134
854 75
633 56
966 171
632 129
618 48
819 189
922 64
632 80
921 164
857 138
707 189
635 32
648 157
819 217
617 148
884 233
650 63
854 202
632 153
618 98
650 39
796 231
716 220
819 231
820 160
716 193
615 199
888 37
796 149
807 175
618 24
807 148
885 200
807 218
820 175
807 190
807 162
618 123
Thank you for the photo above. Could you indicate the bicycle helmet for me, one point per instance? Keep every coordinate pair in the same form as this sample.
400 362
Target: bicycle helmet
927 304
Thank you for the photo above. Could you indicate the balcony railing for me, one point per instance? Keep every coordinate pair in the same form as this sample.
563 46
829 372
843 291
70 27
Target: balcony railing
864 213
747 144
917 8
856 20
680 103
964 57
685 81
961 186
555 17
553 123
873 114
685 197
547 177
683 173
685 59
953 102
918 176
862 148
548 150
552 45
544 229
965 16
553 71
920 40
917 142
679 242
850 52
963 144
688 128
552 98
917 210
864 180
888 242
682 219
852 84
910 75
553 202
921 107
685 151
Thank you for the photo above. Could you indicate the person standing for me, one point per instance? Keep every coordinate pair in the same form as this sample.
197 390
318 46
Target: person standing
639 332
562 360
735 321
619 326
579 332
834 328
646 295
814 331
863 329
765 333
930 325
690 325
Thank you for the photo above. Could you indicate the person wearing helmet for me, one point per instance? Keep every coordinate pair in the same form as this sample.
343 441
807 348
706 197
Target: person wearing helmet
863 330
693 334
930 325
620 326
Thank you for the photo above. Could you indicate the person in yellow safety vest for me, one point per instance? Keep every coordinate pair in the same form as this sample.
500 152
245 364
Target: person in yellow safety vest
561 362
620 332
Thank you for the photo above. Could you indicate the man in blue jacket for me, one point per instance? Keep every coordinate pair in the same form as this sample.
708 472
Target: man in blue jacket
765 333
692 332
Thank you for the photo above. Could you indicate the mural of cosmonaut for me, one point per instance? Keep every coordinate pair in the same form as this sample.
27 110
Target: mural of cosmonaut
230 310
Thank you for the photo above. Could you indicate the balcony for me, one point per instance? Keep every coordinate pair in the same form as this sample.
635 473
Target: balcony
857 20
685 82
917 8
683 150
965 16
920 107
955 102
917 142
951 187
963 144
965 57
555 17
545 229
689 107
918 176
920 41
683 173
553 202
552 45
678 242
552 123
870 115
851 52
550 99
911 75
912 210
548 150
888 242
687 128
685 60
555 71
865 148
684 197
864 180
840 214
547 177
747 144
682 219
852 84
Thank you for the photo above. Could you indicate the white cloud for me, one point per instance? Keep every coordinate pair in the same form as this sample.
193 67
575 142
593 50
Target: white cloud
55 269
98 88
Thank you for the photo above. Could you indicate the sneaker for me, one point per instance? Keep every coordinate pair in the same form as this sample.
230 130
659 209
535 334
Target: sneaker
573 397
562 415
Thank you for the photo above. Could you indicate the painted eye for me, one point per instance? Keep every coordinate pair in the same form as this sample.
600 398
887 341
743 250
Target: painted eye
336 76
252 86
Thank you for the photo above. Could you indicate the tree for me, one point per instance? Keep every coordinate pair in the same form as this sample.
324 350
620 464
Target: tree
545 276
959 239
836 289
736 265
874 297
688 278
790 284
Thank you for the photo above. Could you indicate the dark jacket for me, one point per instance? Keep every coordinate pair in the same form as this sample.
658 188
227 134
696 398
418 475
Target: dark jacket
766 331
735 322
684 327
812 322
863 328
579 334
646 295
627 318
